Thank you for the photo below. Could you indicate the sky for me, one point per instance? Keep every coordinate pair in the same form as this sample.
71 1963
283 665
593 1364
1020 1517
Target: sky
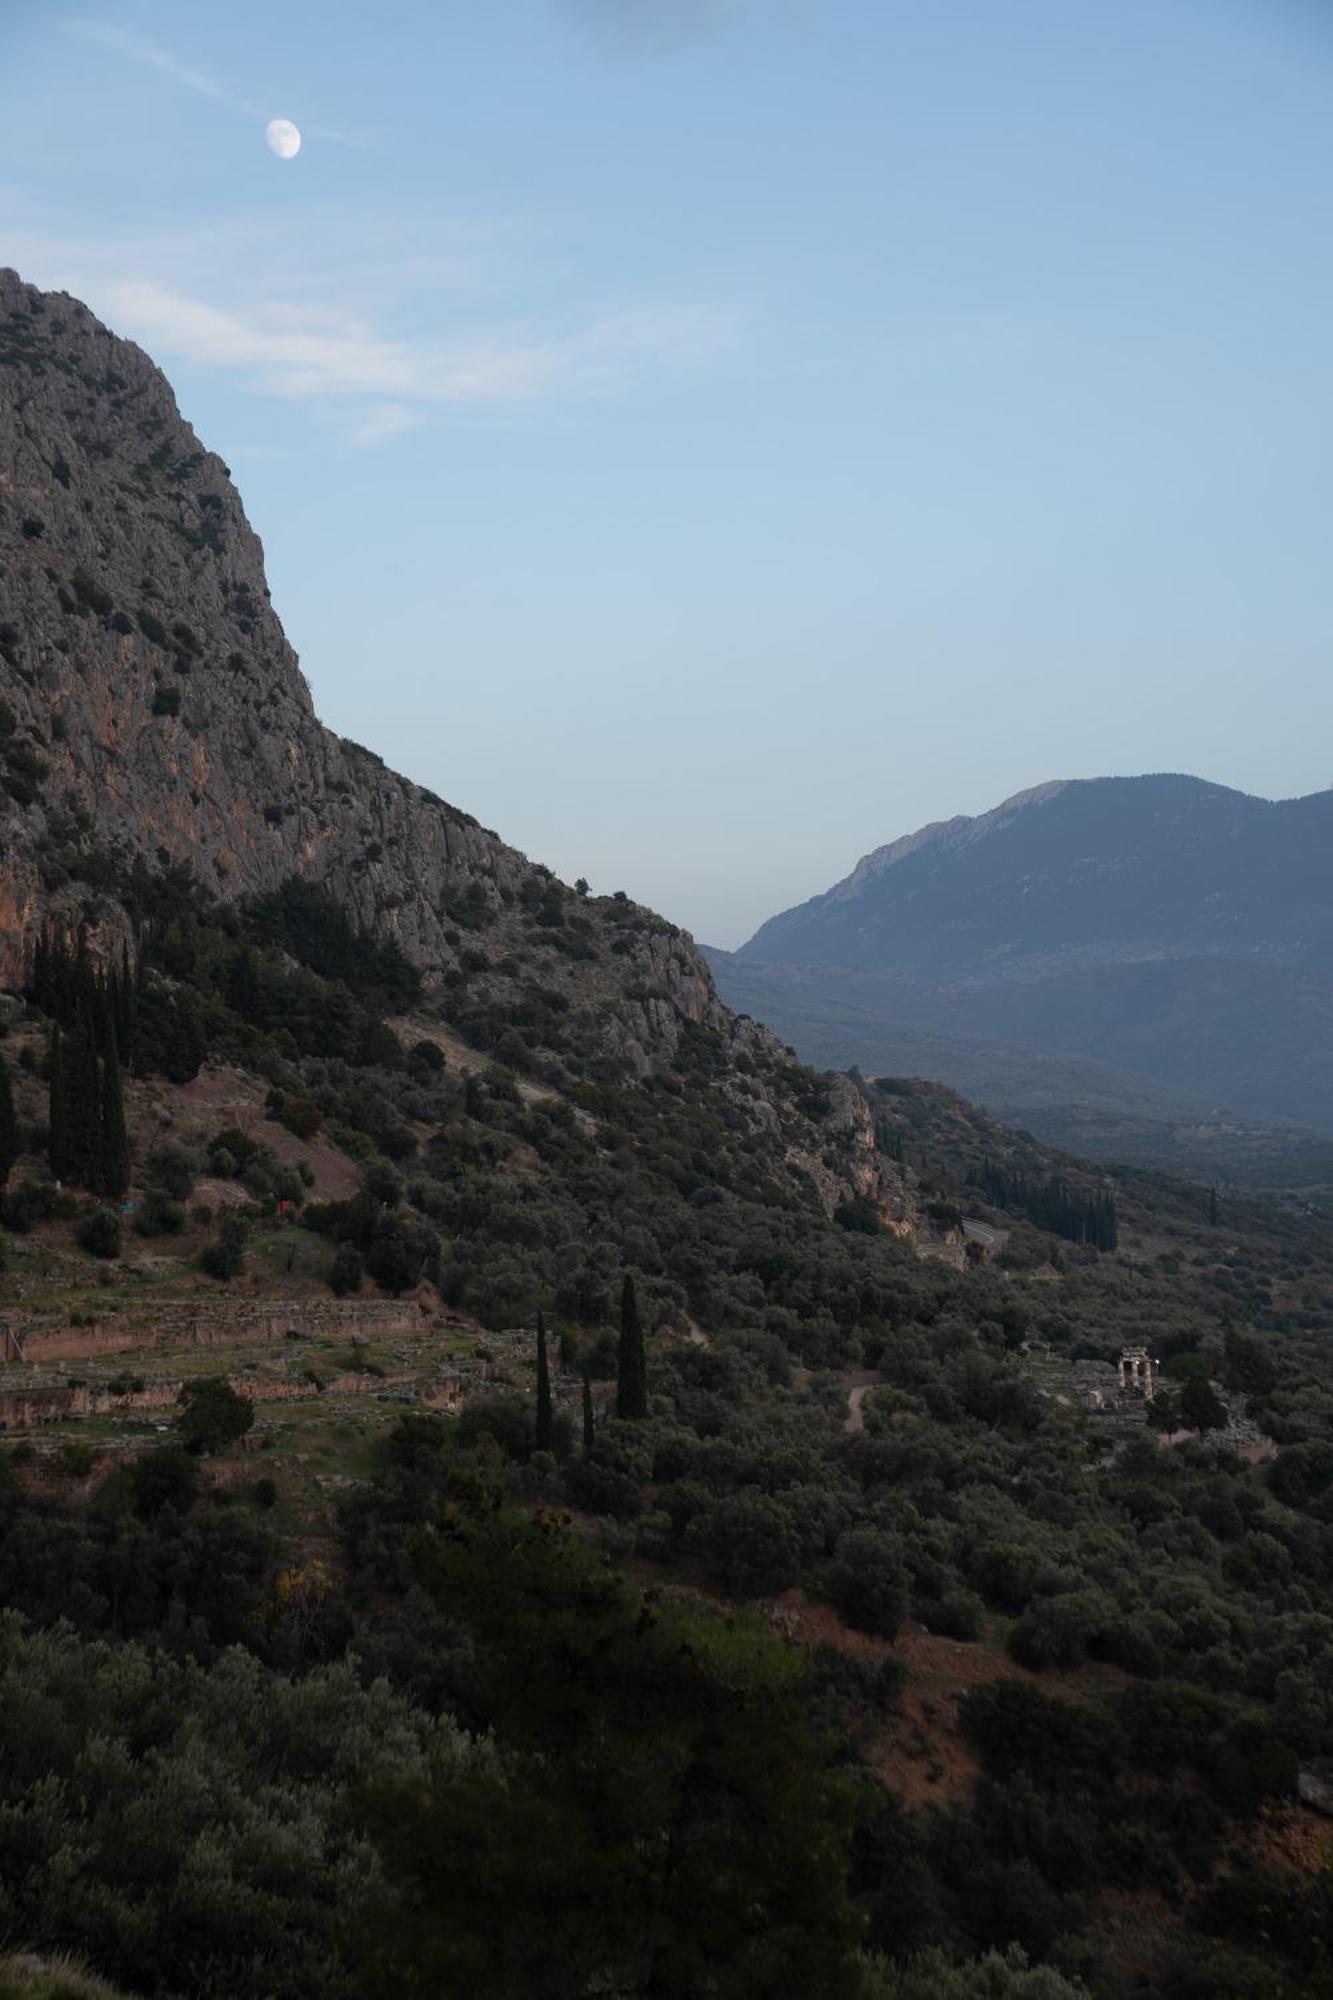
707 439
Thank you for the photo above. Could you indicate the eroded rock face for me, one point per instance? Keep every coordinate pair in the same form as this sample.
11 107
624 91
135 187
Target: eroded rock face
153 698
153 708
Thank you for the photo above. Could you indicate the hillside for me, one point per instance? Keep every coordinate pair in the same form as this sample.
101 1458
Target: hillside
1173 929
513 1484
836 1019
154 722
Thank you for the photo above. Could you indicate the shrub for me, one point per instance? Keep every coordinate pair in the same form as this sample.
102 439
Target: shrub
171 1169
159 1215
302 1116
224 1258
868 1581
167 1477
75 1458
346 1271
214 1416
29 1202
957 1615
100 1234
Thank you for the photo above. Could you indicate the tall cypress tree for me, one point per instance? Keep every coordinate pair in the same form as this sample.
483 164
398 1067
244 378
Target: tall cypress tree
57 1145
545 1433
113 1167
10 1145
122 990
83 1097
589 1424
631 1362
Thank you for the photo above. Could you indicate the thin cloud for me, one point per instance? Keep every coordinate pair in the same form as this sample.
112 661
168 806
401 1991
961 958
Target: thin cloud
390 420
150 55
661 27
188 76
654 27
298 327
290 352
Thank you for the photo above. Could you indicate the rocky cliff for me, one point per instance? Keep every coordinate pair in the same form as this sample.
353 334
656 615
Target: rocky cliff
151 709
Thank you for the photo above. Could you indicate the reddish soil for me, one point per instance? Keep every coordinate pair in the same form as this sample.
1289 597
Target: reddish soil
219 1097
1291 1836
922 1754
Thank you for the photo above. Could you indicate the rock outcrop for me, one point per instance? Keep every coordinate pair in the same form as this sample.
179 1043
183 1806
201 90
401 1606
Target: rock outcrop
152 711
155 709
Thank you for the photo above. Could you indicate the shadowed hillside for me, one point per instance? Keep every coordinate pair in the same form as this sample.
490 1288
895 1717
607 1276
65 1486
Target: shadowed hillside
1170 928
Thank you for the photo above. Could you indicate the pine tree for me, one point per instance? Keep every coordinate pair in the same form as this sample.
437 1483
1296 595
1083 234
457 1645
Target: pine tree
113 1169
545 1432
631 1362
10 1144
57 1145
589 1423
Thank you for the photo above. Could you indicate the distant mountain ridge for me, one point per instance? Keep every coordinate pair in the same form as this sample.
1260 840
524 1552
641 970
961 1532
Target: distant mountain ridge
1174 928
1084 871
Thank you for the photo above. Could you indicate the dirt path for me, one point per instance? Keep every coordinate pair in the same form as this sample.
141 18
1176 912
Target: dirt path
859 1386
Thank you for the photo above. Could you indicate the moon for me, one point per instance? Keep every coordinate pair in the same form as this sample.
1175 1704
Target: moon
283 138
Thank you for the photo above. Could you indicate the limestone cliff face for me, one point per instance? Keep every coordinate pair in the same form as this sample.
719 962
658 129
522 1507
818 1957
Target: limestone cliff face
151 707
154 706
144 666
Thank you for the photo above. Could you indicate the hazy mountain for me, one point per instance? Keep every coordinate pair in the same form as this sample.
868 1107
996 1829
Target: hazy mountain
1086 1106
1171 928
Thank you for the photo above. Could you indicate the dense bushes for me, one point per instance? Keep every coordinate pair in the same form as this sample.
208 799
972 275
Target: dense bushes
190 1828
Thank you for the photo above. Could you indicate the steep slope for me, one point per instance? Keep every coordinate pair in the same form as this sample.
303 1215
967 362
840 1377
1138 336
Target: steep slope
154 707
152 713
1179 930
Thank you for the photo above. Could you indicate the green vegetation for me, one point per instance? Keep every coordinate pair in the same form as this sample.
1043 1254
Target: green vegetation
214 1416
10 1140
665 1799
26 1977
631 1361
544 1428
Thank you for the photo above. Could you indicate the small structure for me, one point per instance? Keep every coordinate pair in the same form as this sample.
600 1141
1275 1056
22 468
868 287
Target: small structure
1136 1372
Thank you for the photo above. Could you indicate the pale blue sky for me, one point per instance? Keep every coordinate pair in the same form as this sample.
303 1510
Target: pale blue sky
709 438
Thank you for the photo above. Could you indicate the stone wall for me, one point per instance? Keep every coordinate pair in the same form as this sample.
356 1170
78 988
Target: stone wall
24 1409
38 1337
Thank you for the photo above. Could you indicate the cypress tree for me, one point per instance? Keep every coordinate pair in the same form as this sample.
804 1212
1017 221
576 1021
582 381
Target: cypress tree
589 1425
113 1174
122 991
39 980
83 1100
57 1145
10 1146
631 1362
545 1433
